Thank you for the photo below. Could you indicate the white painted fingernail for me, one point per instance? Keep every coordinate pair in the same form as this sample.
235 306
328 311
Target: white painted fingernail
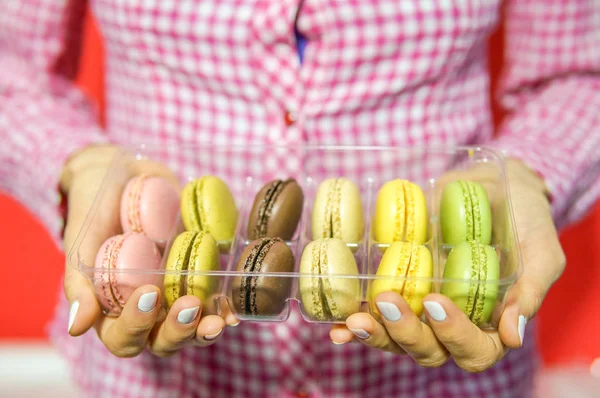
72 313
435 310
522 324
389 311
147 301
188 315
213 336
361 333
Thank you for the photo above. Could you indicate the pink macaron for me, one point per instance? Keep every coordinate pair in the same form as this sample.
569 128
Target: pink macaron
149 205
130 252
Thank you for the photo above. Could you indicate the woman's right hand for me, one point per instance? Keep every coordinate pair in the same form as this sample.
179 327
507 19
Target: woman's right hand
136 327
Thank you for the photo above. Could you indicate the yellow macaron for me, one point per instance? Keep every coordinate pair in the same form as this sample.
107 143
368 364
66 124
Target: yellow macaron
192 252
405 264
208 205
329 299
400 213
337 211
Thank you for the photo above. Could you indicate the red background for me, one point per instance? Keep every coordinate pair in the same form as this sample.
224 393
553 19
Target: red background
32 268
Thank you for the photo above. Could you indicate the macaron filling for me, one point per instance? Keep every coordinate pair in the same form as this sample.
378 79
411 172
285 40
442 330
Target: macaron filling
135 194
408 287
476 211
195 205
322 297
193 253
110 290
477 289
477 313
254 263
409 213
405 212
333 221
472 216
181 264
266 208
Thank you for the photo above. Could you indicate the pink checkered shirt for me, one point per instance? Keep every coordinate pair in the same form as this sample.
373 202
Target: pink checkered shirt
374 73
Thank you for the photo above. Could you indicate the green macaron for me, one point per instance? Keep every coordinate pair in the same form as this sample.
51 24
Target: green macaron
478 263
465 213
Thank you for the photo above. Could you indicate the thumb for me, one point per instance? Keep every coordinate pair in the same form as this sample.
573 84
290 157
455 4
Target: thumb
84 308
523 302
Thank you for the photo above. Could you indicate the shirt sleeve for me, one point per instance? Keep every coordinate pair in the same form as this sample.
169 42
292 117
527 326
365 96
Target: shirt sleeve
43 117
551 88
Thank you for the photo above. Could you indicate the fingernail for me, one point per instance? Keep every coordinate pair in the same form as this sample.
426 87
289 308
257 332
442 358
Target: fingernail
188 315
361 333
389 311
147 301
235 324
72 313
339 342
213 336
435 310
522 324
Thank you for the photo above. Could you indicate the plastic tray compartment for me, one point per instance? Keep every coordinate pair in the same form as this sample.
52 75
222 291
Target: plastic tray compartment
247 169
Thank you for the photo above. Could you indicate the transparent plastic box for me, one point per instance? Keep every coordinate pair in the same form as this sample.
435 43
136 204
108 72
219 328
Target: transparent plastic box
246 169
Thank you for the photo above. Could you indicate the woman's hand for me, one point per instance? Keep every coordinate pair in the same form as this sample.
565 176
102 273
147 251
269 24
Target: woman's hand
450 332
142 322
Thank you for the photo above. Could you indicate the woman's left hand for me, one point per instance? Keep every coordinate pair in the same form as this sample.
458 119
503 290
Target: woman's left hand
449 332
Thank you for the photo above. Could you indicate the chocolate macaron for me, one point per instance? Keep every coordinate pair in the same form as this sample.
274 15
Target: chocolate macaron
276 210
263 295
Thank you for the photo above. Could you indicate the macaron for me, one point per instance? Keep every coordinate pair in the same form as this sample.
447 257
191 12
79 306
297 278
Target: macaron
192 252
404 260
208 205
465 213
400 213
276 210
149 205
263 296
329 299
478 263
132 252
337 211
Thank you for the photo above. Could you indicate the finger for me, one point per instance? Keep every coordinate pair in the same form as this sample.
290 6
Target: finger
84 308
371 333
209 330
340 334
178 328
471 348
128 335
406 329
227 314
147 166
522 303
545 262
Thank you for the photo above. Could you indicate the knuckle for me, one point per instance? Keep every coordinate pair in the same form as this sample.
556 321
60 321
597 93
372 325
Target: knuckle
163 353
176 340
434 361
123 351
409 338
476 365
137 331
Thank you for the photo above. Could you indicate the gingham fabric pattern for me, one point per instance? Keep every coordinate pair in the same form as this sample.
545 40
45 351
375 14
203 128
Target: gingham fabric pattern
374 73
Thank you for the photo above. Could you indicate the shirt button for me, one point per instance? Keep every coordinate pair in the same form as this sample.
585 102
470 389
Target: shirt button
290 118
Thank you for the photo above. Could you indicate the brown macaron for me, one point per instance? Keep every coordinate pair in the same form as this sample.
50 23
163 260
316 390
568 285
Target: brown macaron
276 210
263 295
